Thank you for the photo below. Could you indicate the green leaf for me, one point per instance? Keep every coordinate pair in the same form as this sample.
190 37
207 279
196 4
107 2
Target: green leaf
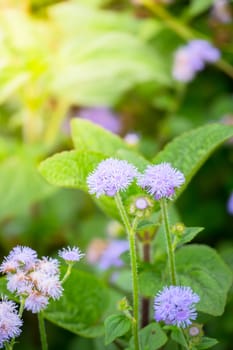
201 268
150 282
189 151
206 343
91 137
189 234
116 326
83 305
177 336
70 168
26 188
198 6
152 337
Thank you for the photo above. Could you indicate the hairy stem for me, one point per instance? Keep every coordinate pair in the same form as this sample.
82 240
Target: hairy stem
170 251
146 301
43 337
133 262
68 272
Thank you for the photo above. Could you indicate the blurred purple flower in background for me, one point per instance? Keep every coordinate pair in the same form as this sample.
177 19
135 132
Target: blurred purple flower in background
102 116
221 11
230 204
190 59
111 255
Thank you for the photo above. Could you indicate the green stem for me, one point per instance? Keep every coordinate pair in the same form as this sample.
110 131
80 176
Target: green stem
42 331
68 272
133 261
170 251
183 30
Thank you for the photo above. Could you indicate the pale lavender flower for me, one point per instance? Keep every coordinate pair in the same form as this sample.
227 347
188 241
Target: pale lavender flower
50 286
230 204
19 283
36 302
161 180
175 305
111 256
191 58
111 176
221 11
102 116
48 266
19 257
141 203
10 321
132 139
204 51
71 254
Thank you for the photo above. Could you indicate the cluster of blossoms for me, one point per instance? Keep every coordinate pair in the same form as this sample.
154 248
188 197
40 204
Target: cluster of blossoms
175 305
113 175
35 280
10 322
191 58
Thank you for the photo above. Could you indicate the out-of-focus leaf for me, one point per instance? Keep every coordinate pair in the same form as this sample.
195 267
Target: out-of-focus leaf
198 6
115 326
82 307
201 268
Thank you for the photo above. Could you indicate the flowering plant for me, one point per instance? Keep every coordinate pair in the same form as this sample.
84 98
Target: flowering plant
170 291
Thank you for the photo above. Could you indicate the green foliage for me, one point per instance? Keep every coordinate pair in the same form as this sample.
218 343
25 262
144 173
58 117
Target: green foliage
84 303
152 337
70 168
206 343
91 137
189 234
198 6
201 268
189 151
115 326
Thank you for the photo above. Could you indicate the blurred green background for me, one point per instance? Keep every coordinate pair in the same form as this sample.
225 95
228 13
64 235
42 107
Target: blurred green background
110 61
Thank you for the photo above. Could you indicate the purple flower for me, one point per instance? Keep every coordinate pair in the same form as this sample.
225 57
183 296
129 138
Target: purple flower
19 258
111 255
102 116
36 302
48 266
190 59
70 254
132 139
161 180
174 305
10 321
221 11
110 177
230 204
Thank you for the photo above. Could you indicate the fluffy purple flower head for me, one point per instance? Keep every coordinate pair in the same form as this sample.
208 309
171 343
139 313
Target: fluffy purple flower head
102 116
230 204
175 305
47 266
111 176
10 321
161 180
36 302
111 255
19 258
191 58
71 255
